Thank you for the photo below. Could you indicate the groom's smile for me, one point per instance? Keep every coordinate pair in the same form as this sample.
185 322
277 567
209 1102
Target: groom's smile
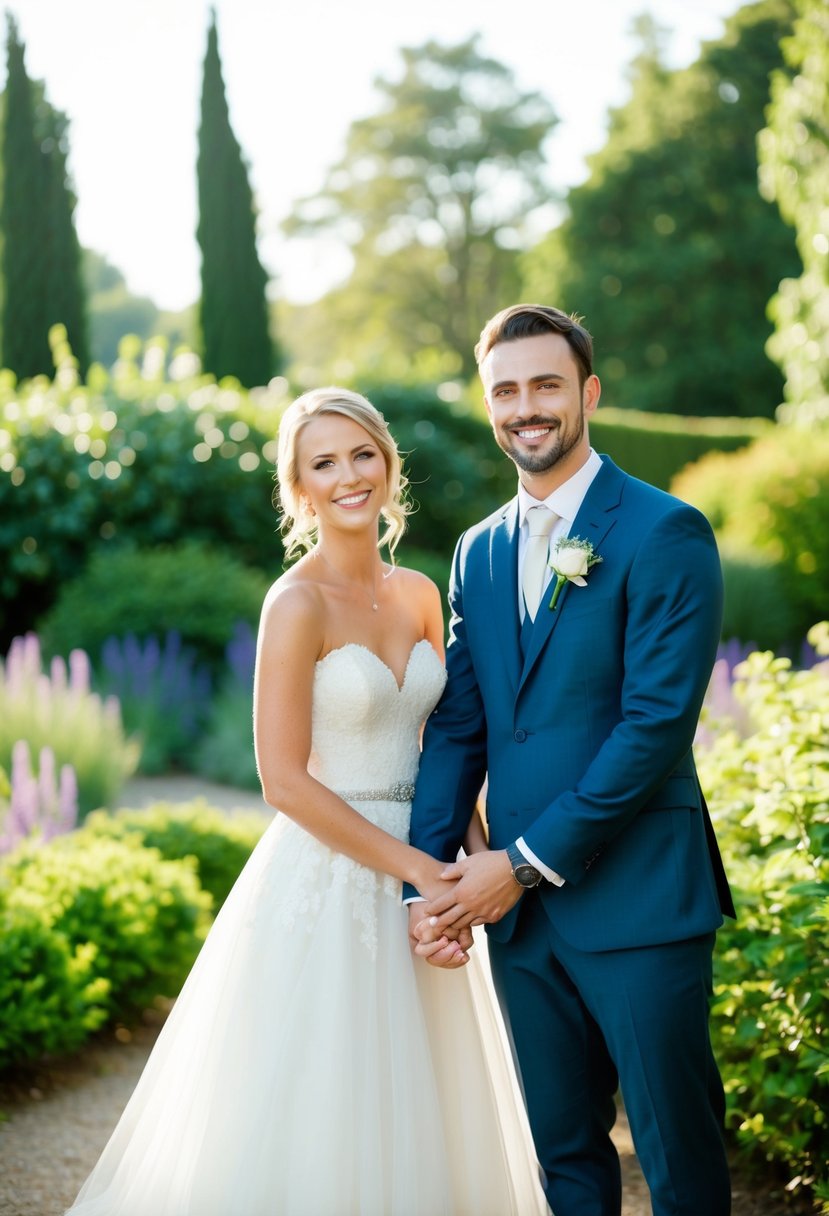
537 406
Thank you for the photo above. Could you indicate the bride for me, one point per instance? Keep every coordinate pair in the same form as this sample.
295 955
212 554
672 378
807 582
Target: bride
312 1066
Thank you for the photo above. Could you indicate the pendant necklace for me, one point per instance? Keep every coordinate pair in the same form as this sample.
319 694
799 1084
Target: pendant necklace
372 595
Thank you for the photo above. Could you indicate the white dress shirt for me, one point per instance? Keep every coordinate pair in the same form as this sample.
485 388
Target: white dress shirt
564 502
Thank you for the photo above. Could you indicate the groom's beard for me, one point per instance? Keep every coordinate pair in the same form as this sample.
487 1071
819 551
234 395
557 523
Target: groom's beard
561 441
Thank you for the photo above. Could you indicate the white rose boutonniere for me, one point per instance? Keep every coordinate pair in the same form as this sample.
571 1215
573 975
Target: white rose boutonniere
572 559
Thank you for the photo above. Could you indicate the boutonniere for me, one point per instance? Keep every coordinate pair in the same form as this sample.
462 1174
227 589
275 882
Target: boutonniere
572 559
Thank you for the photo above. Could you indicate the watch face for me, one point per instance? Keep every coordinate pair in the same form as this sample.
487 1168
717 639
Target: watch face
527 875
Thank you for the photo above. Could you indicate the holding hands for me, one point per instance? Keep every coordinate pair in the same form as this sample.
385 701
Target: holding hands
476 890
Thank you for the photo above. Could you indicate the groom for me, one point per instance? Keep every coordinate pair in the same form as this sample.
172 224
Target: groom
603 886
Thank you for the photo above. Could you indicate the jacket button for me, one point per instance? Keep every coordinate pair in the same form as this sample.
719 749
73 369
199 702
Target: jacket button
520 735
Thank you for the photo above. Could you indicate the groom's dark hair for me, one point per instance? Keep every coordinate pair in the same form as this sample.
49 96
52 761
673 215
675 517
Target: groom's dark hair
527 320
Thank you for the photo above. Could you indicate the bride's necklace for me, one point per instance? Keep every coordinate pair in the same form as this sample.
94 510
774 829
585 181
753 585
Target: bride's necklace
372 594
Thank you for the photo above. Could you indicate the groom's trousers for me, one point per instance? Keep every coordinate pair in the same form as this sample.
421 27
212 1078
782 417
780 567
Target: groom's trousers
580 1024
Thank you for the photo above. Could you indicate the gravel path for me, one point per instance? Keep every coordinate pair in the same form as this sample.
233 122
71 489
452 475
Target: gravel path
54 1124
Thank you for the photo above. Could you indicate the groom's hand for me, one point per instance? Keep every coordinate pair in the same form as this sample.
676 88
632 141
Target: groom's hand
484 891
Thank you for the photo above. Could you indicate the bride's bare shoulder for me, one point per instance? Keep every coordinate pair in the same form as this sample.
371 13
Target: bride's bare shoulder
413 582
294 601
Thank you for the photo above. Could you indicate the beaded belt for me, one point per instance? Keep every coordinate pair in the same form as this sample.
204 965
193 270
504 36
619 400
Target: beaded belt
402 792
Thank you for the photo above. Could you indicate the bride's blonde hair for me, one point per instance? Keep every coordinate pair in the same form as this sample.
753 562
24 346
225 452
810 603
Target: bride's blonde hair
298 524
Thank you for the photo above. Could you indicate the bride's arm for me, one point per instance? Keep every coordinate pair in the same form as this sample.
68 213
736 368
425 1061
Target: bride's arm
291 639
476 839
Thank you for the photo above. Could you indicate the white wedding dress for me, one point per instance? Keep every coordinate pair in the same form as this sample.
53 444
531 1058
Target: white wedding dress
311 1065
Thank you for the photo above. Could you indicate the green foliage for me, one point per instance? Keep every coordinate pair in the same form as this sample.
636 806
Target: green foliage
198 592
794 172
770 500
668 251
770 804
233 311
58 711
457 474
218 843
757 609
153 454
50 998
41 259
655 447
432 196
145 918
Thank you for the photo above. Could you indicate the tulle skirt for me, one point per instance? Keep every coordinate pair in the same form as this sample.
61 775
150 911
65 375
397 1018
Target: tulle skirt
312 1067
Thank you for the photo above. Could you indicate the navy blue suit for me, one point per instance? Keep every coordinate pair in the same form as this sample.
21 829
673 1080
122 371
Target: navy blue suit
585 736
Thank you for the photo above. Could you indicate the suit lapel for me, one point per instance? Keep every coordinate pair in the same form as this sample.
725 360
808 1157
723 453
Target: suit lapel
503 567
594 519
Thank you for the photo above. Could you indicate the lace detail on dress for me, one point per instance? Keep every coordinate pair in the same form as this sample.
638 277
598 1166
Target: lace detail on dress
365 738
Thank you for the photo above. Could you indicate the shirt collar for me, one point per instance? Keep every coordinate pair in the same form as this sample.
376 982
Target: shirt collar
567 498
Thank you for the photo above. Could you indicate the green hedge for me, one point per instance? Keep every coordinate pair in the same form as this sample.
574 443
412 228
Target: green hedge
655 447
769 505
769 796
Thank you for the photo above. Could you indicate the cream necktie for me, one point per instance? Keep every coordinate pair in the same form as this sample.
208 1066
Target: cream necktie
540 522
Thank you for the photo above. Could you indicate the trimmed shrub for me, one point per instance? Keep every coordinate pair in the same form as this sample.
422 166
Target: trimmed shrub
58 711
198 593
655 447
51 999
144 917
757 607
217 844
770 502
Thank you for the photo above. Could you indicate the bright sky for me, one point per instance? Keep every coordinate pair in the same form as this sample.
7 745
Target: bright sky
297 72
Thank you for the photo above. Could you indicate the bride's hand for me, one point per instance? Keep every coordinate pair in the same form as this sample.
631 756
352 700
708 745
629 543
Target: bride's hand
448 950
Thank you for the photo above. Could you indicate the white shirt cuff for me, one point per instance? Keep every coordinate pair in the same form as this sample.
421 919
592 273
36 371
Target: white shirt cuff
549 874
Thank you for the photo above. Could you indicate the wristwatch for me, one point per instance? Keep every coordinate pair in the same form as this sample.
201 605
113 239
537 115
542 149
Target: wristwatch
525 875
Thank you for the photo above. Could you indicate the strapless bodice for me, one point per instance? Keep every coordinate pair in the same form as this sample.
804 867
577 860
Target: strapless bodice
366 727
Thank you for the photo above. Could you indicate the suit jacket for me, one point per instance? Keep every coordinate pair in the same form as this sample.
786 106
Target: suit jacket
586 738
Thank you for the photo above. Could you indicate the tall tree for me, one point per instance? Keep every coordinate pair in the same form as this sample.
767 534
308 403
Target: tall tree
233 311
794 171
41 258
432 196
669 251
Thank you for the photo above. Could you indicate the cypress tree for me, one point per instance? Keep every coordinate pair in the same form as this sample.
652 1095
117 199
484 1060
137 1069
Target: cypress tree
233 310
41 258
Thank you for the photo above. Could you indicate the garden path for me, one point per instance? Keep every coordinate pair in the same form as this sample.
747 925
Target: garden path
54 1124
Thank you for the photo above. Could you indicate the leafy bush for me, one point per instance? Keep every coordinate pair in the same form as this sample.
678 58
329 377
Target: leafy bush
457 474
769 502
50 998
219 844
198 593
769 788
57 710
152 453
655 447
144 917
